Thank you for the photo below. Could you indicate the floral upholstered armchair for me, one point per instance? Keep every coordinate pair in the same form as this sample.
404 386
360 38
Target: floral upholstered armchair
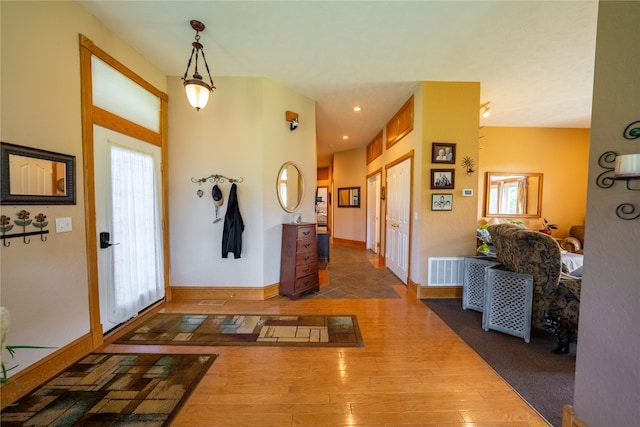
556 300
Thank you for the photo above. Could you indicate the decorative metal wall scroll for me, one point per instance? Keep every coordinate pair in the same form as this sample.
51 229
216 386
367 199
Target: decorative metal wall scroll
606 179
632 131
214 179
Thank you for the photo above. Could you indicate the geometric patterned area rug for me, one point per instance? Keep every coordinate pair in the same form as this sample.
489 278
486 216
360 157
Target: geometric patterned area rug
113 389
247 329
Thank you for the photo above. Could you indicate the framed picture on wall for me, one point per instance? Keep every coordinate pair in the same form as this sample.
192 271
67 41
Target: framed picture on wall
443 152
442 179
441 202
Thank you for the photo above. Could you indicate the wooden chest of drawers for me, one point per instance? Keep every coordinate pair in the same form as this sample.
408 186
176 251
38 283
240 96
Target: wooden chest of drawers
299 260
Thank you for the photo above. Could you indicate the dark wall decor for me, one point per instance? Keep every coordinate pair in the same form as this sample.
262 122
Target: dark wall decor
441 202
349 197
36 177
443 152
443 179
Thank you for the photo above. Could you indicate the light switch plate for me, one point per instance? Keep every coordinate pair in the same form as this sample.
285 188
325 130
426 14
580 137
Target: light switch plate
467 192
63 225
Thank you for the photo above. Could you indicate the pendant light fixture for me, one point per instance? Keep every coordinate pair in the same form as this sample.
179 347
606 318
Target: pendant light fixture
197 90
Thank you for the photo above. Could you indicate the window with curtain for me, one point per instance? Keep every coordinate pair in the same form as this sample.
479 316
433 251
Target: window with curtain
137 265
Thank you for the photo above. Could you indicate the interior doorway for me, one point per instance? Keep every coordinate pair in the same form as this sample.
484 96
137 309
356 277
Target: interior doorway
373 213
322 208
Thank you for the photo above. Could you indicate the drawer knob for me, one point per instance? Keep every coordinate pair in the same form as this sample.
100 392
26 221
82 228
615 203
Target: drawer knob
306 233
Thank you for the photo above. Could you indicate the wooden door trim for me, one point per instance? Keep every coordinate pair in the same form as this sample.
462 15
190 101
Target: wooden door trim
91 115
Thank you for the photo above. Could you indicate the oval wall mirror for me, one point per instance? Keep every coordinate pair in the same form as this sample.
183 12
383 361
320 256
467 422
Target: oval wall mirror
290 187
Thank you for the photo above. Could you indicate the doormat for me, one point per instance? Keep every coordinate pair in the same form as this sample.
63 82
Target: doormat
113 389
247 329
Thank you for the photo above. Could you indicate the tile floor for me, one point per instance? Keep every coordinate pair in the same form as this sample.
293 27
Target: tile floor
353 275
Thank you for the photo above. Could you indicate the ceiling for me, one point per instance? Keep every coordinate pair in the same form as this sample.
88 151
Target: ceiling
534 59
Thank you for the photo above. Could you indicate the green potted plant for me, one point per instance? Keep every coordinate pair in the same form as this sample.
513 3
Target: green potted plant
4 327
547 227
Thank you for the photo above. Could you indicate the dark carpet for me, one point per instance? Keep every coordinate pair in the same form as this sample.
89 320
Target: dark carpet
542 378
247 329
113 389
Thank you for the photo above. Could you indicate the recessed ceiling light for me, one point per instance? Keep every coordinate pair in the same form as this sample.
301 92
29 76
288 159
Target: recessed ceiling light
345 137
357 108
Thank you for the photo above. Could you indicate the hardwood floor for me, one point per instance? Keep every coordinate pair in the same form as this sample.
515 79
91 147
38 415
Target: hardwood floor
412 371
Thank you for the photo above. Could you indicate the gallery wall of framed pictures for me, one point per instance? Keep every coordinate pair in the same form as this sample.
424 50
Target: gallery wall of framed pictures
443 153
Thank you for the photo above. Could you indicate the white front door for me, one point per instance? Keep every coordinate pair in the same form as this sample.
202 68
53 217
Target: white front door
398 218
128 208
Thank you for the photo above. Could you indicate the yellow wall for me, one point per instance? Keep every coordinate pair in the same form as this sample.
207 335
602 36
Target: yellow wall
443 112
450 114
560 154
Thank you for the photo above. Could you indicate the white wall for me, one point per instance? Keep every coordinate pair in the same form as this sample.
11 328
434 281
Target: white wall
607 386
44 284
242 133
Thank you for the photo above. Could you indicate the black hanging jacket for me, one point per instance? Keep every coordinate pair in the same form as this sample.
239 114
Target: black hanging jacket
233 227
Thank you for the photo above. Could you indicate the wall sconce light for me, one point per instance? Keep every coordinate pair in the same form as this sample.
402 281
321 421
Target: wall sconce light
467 162
625 167
292 118
485 110
197 90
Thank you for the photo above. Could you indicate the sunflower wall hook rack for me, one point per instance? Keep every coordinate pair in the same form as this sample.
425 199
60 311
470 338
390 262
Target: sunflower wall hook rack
23 221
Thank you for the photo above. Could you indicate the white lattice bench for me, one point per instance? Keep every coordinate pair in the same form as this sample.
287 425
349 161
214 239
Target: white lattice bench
508 298
473 283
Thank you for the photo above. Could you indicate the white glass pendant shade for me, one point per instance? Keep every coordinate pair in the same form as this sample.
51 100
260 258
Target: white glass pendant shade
197 92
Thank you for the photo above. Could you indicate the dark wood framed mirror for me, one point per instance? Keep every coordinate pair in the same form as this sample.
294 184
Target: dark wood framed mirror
349 197
31 176
513 195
